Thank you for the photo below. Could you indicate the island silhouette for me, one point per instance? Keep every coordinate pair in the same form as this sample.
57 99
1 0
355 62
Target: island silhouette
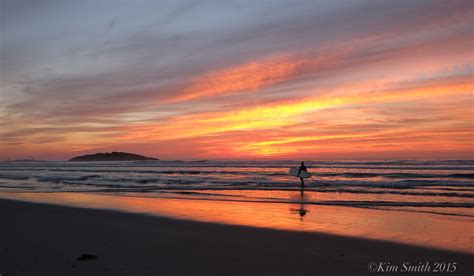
112 156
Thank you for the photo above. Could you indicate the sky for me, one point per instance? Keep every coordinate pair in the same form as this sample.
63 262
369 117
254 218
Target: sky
237 79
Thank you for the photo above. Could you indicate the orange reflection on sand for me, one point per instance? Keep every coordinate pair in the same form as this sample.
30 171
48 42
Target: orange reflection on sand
423 229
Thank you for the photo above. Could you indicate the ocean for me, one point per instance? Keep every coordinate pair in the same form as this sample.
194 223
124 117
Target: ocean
444 187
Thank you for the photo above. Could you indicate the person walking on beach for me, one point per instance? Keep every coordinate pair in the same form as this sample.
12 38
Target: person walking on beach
302 168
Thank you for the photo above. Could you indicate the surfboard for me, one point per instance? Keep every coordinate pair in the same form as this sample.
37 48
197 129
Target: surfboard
294 172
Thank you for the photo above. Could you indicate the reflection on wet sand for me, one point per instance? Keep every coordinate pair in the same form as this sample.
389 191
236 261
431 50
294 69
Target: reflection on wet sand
301 211
398 226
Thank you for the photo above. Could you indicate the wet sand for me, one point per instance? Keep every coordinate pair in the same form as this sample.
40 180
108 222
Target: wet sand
42 239
445 232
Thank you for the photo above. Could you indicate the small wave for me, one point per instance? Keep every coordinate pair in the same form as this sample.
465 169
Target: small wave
27 187
63 178
395 175
349 175
402 184
195 187
460 189
462 175
358 164
14 176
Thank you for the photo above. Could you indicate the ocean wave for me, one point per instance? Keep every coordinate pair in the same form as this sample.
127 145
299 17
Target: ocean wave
111 185
402 184
26 187
62 178
350 164
196 185
455 180
381 177
395 175
14 176
250 177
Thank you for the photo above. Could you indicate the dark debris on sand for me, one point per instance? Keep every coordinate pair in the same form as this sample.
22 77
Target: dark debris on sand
87 257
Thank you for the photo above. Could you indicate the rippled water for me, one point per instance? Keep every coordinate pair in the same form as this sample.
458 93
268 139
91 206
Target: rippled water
439 186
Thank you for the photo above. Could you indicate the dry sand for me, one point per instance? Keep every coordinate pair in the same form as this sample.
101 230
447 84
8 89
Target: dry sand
42 239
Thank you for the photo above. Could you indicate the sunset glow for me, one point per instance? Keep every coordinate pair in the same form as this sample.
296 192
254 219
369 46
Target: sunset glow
258 81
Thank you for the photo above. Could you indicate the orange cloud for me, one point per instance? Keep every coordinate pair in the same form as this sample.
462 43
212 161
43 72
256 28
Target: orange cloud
287 113
335 58
245 77
253 76
240 132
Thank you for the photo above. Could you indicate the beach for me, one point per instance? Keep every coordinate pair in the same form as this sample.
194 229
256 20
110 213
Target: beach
236 218
45 239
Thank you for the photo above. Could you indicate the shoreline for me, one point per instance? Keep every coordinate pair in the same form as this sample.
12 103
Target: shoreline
40 238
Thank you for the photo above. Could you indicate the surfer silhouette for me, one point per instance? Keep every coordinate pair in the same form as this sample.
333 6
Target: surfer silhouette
302 168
